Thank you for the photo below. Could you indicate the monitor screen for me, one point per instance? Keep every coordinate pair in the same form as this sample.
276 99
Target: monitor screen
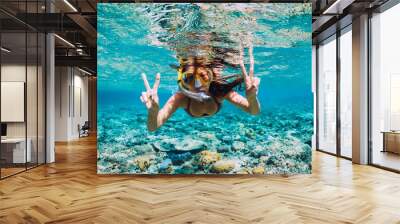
3 129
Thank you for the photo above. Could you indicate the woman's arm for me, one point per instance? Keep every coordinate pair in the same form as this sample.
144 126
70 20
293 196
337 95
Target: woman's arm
156 118
249 104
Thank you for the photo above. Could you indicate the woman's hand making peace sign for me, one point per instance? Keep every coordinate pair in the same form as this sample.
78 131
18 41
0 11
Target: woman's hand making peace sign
150 97
250 81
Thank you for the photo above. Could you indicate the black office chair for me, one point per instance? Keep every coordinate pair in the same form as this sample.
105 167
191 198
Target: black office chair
84 130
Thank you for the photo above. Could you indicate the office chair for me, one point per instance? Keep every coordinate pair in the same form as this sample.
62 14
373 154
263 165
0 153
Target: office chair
84 130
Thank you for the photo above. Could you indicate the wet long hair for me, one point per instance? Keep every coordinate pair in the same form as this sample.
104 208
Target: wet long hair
221 87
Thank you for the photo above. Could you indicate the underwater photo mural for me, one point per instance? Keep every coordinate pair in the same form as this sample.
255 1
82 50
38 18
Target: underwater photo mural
204 88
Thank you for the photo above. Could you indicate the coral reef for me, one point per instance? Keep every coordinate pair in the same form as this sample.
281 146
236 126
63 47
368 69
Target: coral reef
274 142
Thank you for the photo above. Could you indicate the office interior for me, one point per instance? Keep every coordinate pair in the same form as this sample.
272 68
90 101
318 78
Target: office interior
376 88
46 82
48 97
48 76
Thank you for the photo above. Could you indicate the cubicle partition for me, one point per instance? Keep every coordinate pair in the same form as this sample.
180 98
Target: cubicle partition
22 77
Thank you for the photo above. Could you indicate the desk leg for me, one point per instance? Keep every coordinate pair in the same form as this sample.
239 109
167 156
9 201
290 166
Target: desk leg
384 142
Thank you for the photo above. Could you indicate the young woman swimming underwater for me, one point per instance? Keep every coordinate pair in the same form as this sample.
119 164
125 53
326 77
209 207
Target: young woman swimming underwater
202 89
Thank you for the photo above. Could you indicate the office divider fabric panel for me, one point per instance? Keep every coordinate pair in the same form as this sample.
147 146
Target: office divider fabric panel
207 111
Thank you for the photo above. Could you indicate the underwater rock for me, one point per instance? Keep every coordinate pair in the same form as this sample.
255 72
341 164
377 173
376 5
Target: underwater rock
179 145
130 141
259 151
223 166
179 158
279 162
250 133
238 146
227 139
114 157
236 137
241 127
153 169
290 164
207 135
253 143
208 157
243 171
223 148
143 162
304 167
294 151
270 172
164 145
263 159
186 168
143 149
166 166
247 160
275 145
258 170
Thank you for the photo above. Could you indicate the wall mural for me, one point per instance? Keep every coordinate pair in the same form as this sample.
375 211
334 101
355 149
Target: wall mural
204 88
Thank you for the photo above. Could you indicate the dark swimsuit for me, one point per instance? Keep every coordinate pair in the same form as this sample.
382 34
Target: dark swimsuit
187 109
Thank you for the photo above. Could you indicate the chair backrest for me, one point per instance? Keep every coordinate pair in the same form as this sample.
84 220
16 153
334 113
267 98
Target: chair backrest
86 125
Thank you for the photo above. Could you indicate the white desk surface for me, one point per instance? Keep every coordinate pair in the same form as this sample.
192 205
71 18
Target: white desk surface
13 140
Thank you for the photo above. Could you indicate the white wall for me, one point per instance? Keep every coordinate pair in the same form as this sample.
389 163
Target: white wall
62 82
79 117
70 84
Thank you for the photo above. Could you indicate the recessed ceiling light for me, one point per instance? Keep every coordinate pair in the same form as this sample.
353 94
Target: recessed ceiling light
5 50
337 7
70 5
84 71
65 41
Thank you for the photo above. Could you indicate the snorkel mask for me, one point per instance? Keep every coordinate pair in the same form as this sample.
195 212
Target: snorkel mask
188 83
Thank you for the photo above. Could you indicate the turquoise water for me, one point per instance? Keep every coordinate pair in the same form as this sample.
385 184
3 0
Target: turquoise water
136 38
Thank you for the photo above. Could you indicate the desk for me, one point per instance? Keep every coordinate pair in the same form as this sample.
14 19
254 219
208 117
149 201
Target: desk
391 141
16 147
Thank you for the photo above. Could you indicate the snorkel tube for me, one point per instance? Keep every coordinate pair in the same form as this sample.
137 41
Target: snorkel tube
200 96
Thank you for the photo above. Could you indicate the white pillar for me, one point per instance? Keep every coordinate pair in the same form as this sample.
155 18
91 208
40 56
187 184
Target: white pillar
50 99
360 90
50 93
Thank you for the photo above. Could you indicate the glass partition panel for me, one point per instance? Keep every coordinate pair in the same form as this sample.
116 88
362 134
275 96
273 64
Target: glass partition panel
385 89
31 99
41 99
22 66
327 95
346 93
41 85
14 153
